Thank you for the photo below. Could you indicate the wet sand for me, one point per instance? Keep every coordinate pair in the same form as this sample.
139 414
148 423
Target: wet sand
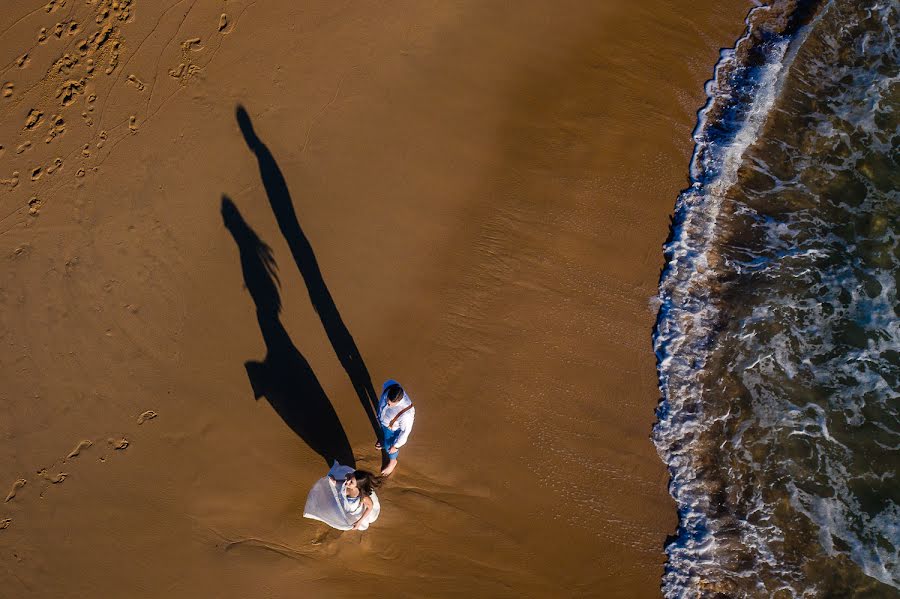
470 198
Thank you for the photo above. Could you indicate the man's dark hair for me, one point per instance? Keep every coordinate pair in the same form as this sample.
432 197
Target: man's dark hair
394 392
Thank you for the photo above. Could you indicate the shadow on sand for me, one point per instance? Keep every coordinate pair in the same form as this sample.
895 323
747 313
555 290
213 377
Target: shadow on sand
285 378
283 209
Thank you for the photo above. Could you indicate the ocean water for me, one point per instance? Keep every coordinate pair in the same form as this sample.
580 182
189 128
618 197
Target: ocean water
778 337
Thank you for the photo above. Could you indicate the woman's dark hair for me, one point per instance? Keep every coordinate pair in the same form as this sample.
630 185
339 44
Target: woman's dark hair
394 392
366 482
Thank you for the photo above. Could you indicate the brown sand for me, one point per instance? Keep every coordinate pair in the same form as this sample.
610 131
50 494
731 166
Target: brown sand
485 186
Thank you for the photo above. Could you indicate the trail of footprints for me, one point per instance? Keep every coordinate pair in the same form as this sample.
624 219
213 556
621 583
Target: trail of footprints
90 47
66 80
54 474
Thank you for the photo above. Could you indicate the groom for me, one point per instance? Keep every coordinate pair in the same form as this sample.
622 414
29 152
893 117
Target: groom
396 415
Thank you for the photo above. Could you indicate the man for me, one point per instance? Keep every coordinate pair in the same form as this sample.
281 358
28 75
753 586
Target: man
396 415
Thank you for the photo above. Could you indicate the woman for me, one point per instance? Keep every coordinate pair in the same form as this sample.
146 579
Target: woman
344 499
358 498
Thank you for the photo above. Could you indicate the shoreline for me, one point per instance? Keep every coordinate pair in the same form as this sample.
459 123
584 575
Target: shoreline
486 213
722 425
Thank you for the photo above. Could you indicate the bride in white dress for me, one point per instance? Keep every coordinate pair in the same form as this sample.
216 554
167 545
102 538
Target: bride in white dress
344 499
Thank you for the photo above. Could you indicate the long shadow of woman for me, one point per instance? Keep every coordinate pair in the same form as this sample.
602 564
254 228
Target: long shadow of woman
285 378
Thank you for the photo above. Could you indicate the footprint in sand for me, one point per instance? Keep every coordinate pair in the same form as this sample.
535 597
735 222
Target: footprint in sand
4 524
58 127
34 206
178 71
8 88
120 443
148 415
57 164
223 21
191 44
69 90
52 478
184 71
67 27
82 445
132 79
323 535
12 181
23 146
15 488
23 61
132 123
113 59
65 64
33 119
36 173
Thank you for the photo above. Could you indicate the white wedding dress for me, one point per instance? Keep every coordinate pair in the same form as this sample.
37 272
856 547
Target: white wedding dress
328 502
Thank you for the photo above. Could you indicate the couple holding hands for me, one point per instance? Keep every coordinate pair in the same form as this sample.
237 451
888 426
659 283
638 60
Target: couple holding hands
345 498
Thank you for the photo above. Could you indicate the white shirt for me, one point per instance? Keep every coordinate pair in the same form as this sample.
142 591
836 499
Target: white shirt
387 412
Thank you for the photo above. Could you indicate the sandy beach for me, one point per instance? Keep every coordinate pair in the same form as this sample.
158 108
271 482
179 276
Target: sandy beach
468 197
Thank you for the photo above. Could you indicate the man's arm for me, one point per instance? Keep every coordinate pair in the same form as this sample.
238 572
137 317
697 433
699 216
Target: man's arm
406 424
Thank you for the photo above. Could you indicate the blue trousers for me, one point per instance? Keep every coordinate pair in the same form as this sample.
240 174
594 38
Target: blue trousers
388 438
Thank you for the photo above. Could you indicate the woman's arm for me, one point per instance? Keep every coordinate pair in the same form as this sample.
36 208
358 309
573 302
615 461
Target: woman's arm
367 507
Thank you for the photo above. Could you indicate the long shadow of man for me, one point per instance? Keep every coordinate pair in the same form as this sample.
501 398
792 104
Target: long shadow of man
285 378
283 208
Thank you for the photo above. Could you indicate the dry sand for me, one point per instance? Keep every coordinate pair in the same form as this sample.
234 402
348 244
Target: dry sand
481 190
